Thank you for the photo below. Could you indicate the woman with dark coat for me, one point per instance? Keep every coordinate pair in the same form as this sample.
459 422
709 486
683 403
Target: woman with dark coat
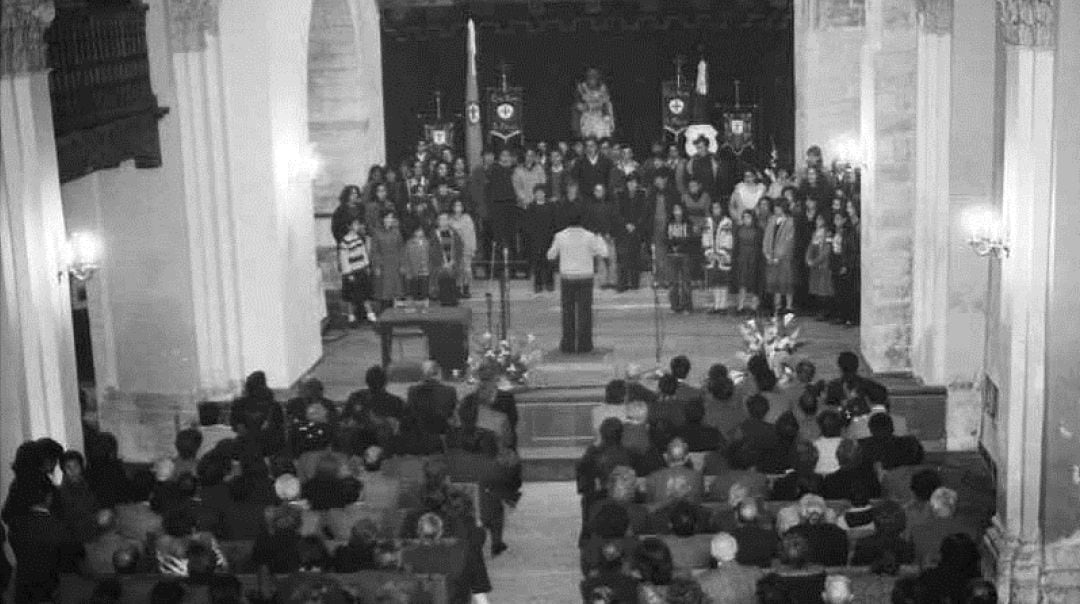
387 252
748 259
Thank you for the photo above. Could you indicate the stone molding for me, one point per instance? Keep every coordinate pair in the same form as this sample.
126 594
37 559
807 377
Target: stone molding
1027 22
936 16
189 23
22 31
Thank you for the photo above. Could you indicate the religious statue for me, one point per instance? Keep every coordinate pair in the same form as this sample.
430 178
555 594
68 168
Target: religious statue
593 114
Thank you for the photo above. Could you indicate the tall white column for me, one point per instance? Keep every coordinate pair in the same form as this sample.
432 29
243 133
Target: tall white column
38 384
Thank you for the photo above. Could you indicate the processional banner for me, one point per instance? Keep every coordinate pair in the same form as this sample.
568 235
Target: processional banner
505 108
676 102
738 129
440 134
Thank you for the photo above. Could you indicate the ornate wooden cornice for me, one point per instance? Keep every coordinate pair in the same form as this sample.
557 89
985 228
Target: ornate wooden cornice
1027 22
189 23
22 35
936 16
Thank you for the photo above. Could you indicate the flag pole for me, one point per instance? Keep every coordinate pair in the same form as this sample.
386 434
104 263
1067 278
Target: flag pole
474 134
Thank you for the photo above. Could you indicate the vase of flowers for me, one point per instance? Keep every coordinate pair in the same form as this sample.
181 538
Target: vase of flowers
510 359
775 338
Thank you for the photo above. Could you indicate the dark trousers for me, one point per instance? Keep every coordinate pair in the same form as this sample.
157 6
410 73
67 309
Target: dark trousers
543 271
505 227
845 304
629 267
577 299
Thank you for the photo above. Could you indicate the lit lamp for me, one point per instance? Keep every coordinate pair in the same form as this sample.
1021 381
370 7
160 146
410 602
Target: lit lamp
81 255
986 237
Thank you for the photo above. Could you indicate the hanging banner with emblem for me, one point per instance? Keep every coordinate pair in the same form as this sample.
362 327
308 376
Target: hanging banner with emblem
505 112
738 129
439 134
676 100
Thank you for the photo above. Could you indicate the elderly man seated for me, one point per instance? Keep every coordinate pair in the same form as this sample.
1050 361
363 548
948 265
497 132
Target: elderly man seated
837 590
928 535
828 542
758 541
730 582
678 481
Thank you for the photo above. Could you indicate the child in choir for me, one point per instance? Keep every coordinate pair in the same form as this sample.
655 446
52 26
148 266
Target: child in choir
466 229
748 258
539 232
818 261
680 234
355 266
717 240
418 265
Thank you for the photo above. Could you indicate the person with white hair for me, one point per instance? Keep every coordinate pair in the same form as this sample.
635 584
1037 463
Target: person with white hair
678 481
837 590
928 535
730 582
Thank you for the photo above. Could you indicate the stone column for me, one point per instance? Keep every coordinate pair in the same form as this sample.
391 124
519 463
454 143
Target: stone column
1022 325
888 106
38 384
828 45
193 42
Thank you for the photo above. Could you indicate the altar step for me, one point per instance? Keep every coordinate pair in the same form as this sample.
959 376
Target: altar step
555 424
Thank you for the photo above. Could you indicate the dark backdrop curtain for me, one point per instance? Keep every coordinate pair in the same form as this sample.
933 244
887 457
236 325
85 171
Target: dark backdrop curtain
548 63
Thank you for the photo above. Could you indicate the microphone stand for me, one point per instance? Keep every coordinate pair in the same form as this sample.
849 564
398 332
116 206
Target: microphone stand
504 295
657 316
487 295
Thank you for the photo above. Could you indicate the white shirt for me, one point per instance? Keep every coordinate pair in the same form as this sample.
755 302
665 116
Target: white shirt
575 248
746 196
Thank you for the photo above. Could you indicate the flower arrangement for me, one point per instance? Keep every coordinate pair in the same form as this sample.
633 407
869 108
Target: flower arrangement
510 358
775 339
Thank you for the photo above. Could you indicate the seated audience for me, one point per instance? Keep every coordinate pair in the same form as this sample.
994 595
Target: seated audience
612 524
805 410
358 552
636 427
757 541
276 547
431 401
325 489
310 392
677 481
723 409
782 457
854 479
839 390
800 575
434 554
958 565
104 471
886 549
731 582
135 520
214 500
77 503
609 582
622 491
803 479
688 550
828 542
698 436
614 404
754 429
832 431
668 407
743 460
927 534
653 567
171 548
599 460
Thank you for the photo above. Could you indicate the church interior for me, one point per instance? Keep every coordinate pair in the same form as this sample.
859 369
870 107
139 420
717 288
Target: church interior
517 301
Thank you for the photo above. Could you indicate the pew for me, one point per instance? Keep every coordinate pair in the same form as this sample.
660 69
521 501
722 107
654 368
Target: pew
135 589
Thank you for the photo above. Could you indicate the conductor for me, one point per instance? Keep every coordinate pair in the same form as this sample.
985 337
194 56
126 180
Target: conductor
576 249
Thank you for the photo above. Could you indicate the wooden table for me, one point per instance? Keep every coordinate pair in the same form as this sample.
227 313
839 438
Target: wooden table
445 327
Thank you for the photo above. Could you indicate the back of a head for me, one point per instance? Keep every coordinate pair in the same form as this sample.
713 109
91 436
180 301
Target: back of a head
794 549
612 556
881 425
375 378
201 560
837 590
312 553
758 368
848 454
787 427
680 367
723 548
611 431
771 590
943 502
748 512
677 451
719 382
683 518
615 392
924 483
684 590
431 370
694 411
612 522
848 362
668 384
652 561
757 406
429 527
831 423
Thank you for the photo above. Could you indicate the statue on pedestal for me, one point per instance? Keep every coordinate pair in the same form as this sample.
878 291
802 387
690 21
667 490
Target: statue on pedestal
593 113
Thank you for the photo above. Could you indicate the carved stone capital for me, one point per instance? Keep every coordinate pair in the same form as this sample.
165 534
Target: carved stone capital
936 16
22 30
189 23
1027 22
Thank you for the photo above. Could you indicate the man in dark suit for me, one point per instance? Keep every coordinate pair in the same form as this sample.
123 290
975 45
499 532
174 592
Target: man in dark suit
704 168
629 230
592 169
431 401
43 547
685 393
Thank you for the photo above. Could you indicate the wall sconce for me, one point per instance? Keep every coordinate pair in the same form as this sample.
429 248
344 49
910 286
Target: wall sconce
987 237
81 256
